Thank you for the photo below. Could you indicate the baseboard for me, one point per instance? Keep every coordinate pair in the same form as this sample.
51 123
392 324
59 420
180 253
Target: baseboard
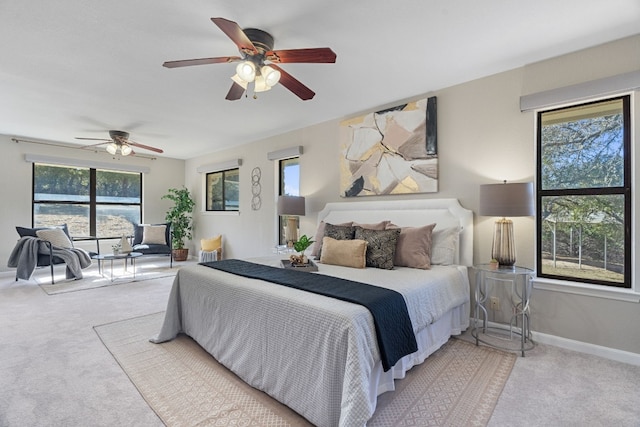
579 346
588 348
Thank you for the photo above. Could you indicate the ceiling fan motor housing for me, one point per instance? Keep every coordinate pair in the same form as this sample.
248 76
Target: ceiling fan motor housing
262 40
118 135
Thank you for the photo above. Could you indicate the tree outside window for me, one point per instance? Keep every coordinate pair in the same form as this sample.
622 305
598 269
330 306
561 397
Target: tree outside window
223 192
584 193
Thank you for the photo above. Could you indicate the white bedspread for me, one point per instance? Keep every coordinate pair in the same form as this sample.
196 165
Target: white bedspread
318 355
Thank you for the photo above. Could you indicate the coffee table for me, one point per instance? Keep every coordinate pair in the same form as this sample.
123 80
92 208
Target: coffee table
110 257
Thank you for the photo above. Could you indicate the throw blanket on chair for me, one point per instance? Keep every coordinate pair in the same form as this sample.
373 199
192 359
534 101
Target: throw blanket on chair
24 257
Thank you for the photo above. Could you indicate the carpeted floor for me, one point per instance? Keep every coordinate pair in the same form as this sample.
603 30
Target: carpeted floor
55 371
185 386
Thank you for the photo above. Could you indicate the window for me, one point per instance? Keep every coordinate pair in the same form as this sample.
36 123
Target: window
289 178
92 202
584 193
223 190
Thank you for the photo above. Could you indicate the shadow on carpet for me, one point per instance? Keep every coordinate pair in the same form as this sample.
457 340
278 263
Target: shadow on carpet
458 385
92 278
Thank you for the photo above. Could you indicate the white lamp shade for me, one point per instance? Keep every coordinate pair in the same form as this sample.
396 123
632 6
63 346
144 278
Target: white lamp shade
112 148
246 71
260 85
125 149
271 76
236 78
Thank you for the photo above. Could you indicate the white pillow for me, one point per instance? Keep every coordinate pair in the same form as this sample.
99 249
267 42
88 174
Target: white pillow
154 235
444 246
56 236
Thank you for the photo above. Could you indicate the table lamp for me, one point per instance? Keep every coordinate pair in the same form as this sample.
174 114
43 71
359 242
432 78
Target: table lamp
291 207
506 200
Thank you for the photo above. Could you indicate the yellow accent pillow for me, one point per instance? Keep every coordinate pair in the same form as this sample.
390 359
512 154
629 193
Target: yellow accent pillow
211 244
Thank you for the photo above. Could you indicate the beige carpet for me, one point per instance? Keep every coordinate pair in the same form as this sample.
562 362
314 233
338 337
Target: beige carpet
92 278
458 385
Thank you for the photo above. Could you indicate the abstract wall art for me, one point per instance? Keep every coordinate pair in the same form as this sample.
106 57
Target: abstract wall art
392 151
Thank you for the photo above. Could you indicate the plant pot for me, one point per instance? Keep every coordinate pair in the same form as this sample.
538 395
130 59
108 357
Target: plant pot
180 254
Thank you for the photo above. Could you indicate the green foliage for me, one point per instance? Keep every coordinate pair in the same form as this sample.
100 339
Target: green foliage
180 215
302 244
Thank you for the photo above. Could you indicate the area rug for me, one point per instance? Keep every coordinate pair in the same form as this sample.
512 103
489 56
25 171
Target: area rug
92 278
458 385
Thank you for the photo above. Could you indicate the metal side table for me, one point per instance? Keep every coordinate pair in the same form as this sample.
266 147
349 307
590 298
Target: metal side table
519 279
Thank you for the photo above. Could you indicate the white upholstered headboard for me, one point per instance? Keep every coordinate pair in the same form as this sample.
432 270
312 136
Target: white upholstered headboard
408 213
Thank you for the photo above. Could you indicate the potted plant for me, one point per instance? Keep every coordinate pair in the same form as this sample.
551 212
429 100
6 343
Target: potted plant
493 264
181 218
300 246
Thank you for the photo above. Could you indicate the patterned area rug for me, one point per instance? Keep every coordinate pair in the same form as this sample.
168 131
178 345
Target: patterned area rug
92 278
458 385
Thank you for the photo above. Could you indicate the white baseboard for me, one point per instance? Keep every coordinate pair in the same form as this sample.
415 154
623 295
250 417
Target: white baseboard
579 346
588 348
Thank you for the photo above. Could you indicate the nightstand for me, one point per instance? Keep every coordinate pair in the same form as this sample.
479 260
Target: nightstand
504 336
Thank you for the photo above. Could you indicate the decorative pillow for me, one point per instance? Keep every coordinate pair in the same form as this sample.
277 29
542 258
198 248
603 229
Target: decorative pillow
382 225
154 235
444 245
315 251
56 236
381 246
413 248
24 231
347 253
338 232
212 244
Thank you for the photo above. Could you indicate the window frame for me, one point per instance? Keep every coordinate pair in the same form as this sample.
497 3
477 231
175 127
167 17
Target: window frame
625 190
207 192
282 163
92 203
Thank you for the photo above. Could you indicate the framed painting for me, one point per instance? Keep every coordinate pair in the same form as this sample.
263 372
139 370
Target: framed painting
392 151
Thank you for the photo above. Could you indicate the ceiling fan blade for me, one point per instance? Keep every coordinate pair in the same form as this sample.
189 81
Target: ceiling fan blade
235 92
201 61
291 83
146 147
235 33
94 139
313 55
95 145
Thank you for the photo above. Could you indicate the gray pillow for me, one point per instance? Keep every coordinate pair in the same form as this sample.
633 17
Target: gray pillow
381 246
338 232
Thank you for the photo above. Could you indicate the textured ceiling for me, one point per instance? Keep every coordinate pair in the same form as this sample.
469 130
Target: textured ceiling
77 68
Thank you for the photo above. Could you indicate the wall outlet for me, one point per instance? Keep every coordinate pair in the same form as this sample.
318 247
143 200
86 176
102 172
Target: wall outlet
494 303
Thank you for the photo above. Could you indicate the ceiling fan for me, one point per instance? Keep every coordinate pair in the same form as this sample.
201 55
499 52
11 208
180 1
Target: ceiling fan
120 142
256 68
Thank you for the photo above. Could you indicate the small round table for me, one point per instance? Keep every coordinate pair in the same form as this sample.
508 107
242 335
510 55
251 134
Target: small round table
110 257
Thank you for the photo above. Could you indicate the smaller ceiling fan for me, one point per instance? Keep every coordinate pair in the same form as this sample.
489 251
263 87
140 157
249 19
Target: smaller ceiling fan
120 142
256 69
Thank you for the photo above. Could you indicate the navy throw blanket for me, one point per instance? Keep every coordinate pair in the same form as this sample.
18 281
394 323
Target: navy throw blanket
394 331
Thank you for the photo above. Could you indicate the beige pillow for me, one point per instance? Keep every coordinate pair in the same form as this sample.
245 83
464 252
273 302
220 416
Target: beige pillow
154 235
413 248
315 251
56 237
347 253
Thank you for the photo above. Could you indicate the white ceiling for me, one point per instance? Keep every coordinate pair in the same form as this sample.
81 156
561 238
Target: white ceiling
77 68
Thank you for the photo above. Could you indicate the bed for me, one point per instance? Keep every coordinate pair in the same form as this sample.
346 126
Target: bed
316 354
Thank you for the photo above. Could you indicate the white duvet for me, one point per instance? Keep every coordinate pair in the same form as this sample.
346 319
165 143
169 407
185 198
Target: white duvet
316 354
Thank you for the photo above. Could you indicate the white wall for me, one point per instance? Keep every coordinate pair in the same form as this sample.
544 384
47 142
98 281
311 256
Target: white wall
482 138
16 188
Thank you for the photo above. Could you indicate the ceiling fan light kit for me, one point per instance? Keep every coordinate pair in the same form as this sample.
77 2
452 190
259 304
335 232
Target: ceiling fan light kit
256 47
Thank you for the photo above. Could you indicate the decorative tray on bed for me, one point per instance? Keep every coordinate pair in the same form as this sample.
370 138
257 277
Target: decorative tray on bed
311 266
